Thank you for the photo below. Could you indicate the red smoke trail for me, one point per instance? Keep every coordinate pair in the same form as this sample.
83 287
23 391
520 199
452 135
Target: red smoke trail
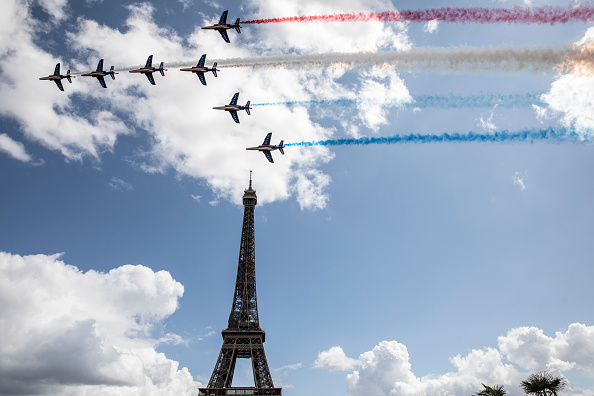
519 15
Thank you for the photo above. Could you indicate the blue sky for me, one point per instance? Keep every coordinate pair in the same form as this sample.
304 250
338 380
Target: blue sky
383 269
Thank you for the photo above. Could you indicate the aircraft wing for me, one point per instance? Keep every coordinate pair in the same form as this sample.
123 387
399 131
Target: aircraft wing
234 115
100 65
59 84
102 81
150 78
223 18
57 70
268 155
149 61
201 77
225 36
267 139
201 61
234 100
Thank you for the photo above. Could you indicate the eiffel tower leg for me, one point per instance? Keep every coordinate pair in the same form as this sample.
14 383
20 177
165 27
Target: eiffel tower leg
222 375
262 377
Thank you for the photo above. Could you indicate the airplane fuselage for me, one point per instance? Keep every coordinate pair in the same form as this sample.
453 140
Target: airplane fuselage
223 26
53 77
144 70
264 148
230 107
99 73
196 69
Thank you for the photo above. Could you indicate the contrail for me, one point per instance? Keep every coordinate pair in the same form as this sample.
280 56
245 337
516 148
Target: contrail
551 135
519 15
450 101
457 59
461 59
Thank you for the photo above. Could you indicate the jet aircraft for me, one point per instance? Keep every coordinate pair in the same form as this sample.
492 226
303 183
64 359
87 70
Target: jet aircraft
100 73
149 69
233 107
57 77
266 147
199 69
223 26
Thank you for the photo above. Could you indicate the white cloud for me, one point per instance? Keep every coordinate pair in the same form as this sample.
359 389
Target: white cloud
185 3
334 359
13 148
115 183
380 82
196 198
518 180
289 367
572 95
75 333
386 369
56 8
530 348
431 26
542 113
209 333
488 124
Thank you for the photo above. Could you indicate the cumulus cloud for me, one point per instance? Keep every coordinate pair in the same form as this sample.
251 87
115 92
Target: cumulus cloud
571 95
13 148
334 359
69 332
530 348
386 369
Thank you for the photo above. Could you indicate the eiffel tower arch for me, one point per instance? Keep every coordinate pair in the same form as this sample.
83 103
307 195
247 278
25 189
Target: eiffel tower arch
243 338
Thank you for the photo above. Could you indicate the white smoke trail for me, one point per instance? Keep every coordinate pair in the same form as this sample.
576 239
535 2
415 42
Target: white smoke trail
530 59
460 59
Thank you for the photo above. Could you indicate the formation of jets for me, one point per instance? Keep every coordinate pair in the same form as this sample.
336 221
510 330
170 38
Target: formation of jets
199 70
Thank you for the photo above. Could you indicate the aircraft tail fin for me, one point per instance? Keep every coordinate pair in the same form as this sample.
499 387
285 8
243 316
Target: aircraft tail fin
161 69
281 147
247 107
237 27
112 73
69 77
214 69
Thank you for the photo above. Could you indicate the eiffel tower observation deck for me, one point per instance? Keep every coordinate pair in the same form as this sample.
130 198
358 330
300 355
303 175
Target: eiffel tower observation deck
243 338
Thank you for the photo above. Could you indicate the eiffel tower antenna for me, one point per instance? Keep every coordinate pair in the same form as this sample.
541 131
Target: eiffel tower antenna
243 338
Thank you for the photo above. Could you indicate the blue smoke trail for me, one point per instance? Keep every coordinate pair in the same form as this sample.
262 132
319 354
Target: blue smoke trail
551 135
450 101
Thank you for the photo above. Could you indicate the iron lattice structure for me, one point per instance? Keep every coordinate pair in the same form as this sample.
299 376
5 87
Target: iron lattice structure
243 337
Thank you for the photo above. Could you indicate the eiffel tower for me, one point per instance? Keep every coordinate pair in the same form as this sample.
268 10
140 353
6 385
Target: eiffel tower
243 338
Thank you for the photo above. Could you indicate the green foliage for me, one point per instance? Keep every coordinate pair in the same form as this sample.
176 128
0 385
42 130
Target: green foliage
496 390
543 384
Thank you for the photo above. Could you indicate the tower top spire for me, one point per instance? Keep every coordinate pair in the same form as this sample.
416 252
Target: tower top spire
249 195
